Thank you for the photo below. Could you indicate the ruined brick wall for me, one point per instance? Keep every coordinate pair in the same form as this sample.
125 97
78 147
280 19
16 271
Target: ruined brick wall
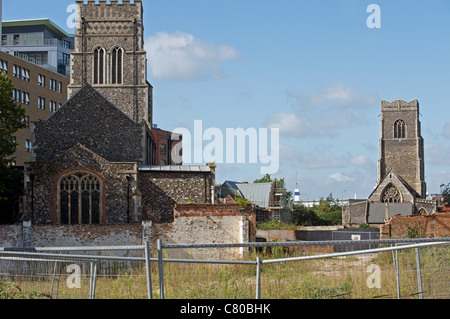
429 226
355 214
71 236
162 190
208 224
11 236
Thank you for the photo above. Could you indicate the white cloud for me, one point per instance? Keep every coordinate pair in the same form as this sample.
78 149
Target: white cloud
436 154
324 112
181 56
340 178
290 125
362 161
343 96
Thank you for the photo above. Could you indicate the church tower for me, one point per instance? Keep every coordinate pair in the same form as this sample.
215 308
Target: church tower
109 55
401 144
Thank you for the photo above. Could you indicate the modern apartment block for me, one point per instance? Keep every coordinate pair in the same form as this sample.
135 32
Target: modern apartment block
39 41
41 93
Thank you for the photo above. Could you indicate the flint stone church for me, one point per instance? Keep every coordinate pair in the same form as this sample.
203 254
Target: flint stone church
93 159
401 188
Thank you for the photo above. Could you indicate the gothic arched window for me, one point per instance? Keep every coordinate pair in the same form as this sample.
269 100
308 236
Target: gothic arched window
400 129
99 66
80 199
117 65
391 195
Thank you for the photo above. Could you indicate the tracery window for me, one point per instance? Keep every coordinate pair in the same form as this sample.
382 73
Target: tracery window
391 195
99 66
80 199
117 65
400 129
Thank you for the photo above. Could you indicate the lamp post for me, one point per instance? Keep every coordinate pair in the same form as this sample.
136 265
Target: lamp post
32 178
128 197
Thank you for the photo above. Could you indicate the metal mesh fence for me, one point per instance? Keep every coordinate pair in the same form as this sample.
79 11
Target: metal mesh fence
295 270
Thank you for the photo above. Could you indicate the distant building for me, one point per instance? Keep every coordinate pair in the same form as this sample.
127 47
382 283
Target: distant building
401 188
167 144
268 201
39 41
41 93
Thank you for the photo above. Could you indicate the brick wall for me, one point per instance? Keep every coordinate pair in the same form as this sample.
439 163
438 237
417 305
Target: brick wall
70 236
208 224
430 226
192 224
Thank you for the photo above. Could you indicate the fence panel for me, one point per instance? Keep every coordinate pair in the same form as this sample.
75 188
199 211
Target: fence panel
417 268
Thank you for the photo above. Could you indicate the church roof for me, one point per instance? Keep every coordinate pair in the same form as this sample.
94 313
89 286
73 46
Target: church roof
395 179
88 91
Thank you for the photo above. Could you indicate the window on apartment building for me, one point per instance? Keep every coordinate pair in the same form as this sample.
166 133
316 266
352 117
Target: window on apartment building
4 39
28 145
16 39
26 121
17 95
66 59
41 103
60 87
41 80
3 66
26 75
52 106
117 65
163 149
16 71
80 199
99 66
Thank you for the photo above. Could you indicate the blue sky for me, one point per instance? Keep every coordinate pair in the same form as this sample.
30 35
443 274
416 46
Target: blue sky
312 68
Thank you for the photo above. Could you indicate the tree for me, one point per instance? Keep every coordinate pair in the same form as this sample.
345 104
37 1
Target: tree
329 211
11 120
266 179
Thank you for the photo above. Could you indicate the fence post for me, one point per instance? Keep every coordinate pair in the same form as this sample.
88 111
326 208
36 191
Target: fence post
53 280
419 275
258 278
397 273
148 270
94 284
91 280
161 269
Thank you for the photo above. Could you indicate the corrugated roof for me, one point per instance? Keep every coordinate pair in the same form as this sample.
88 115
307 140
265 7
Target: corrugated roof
258 193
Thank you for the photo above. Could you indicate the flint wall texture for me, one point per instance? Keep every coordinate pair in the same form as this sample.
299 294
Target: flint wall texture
91 120
163 190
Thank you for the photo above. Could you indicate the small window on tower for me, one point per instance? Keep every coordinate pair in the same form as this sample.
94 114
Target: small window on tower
117 65
99 66
400 129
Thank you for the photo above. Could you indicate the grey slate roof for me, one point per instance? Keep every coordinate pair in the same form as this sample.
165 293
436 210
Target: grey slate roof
377 211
